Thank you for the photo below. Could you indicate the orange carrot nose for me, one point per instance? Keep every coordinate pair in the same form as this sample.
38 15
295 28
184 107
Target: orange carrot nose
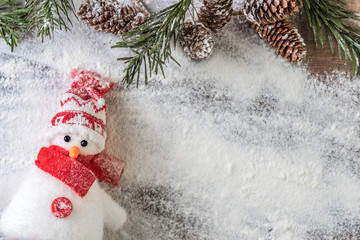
74 152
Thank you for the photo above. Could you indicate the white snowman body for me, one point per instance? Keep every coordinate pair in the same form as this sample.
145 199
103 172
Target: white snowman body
29 215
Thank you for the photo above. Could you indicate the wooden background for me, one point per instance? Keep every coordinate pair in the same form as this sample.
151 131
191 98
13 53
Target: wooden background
316 61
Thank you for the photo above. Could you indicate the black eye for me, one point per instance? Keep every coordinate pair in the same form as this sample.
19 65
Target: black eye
67 138
84 143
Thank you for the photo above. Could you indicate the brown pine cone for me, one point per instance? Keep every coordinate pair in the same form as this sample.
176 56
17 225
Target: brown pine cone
196 40
270 11
215 14
109 16
284 37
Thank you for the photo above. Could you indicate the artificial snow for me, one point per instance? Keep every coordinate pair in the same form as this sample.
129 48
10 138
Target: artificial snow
241 146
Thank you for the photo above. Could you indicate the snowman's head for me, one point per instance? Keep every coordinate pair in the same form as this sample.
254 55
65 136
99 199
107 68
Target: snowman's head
80 122
76 140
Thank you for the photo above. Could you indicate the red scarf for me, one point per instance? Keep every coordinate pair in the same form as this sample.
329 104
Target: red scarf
80 173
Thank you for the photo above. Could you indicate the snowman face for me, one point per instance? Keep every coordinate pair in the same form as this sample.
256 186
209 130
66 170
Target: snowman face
69 140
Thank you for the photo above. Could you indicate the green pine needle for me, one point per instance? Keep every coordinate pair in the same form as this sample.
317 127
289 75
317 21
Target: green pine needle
151 42
12 21
48 15
331 17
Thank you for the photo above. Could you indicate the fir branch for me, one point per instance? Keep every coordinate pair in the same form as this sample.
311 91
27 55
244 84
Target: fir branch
12 21
48 15
151 42
331 17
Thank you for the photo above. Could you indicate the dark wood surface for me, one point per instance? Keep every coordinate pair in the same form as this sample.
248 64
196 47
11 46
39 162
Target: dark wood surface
316 61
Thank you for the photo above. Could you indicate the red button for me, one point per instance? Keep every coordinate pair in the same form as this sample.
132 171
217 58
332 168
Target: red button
61 207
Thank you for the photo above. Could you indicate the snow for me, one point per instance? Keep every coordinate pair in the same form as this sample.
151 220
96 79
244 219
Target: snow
241 146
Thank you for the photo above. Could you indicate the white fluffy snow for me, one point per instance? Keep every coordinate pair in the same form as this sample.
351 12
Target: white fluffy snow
241 146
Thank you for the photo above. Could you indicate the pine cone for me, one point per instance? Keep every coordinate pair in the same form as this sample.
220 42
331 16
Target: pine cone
196 40
284 37
270 11
215 14
109 16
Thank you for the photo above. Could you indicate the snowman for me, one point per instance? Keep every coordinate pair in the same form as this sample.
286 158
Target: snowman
60 197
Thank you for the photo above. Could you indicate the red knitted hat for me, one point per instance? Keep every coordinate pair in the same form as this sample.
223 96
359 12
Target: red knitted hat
83 108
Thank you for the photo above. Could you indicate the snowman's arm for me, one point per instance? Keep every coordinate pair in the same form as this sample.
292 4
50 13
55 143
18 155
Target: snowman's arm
114 215
9 185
